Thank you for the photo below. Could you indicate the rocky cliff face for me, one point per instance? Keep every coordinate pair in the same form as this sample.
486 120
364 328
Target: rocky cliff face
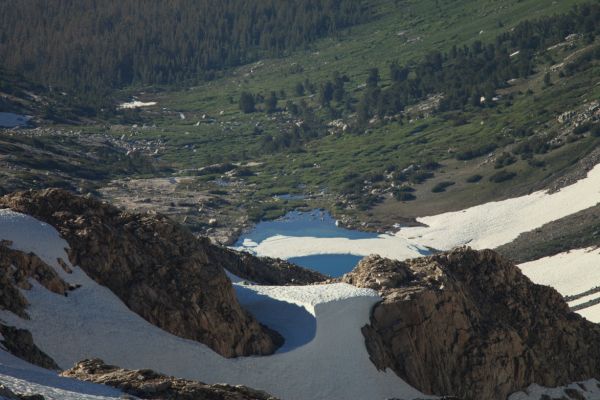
157 268
16 271
470 324
147 384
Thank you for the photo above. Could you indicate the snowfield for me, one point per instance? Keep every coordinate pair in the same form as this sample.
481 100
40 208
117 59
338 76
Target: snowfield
589 389
285 247
326 359
136 104
571 273
496 223
485 226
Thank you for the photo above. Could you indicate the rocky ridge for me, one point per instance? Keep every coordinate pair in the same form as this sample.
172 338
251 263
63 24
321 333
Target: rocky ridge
147 384
470 324
268 271
156 267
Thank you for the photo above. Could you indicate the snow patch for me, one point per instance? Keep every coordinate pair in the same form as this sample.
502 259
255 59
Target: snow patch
493 224
590 390
136 104
29 235
285 247
570 273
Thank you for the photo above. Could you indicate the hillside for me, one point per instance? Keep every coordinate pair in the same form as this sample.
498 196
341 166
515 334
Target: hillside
260 199
372 122
419 161
386 303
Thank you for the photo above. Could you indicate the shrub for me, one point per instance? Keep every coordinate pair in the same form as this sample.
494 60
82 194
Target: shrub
404 196
581 129
504 160
442 186
474 178
421 176
502 176
470 154
533 162
405 189
247 103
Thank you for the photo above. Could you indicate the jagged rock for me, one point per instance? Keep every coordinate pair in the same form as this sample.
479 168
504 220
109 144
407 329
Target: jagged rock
16 268
155 266
270 271
147 384
19 343
470 324
6 393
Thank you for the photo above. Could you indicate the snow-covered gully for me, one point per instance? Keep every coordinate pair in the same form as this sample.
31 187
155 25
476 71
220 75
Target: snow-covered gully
93 322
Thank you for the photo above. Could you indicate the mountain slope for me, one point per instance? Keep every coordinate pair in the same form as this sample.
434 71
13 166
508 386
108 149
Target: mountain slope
162 272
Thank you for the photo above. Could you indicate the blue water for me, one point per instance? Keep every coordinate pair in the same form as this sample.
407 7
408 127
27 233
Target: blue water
315 223
329 264
301 224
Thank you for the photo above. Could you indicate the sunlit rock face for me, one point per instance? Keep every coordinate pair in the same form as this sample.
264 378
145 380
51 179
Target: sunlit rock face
470 324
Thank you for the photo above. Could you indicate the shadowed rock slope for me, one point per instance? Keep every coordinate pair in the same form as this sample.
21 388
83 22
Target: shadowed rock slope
156 267
147 384
470 324
267 271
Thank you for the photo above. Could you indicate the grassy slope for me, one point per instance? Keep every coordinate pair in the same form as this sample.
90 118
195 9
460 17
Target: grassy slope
403 32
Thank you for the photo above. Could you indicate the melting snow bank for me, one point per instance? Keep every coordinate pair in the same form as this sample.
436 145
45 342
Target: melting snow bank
136 104
388 246
496 223
332 363
485 226
575 274
10 120
589 390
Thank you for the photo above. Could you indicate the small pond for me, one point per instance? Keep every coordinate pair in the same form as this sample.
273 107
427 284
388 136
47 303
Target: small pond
316 223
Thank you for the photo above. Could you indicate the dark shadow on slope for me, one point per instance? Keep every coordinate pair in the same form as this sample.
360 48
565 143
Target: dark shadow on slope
293 322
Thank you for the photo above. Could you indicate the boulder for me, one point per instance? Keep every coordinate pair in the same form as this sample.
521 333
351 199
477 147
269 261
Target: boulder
470 324
147 384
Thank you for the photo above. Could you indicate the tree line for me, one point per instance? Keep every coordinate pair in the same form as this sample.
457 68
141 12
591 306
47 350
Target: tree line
91 44
470 75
